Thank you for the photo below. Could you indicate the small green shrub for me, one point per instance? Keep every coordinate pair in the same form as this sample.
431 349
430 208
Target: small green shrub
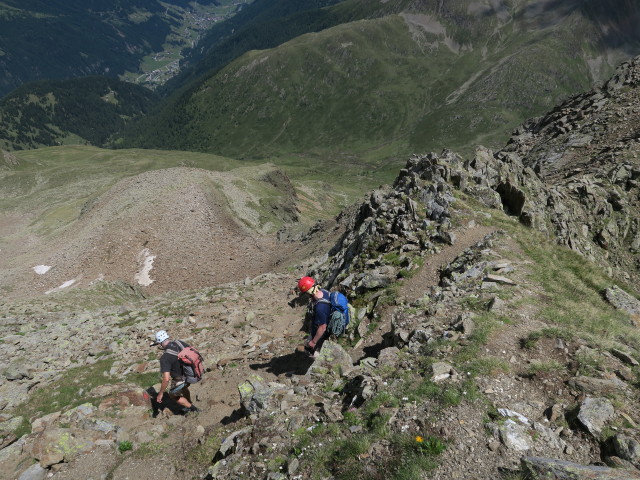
392 258
351 418
532 339
125 446
429 445
487 366
588 362
414 456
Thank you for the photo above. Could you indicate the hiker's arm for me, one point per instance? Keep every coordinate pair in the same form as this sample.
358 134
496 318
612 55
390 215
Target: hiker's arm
165 382
319 333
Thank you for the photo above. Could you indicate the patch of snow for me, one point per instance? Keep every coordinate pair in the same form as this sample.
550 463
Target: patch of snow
41 269
66 284
145 260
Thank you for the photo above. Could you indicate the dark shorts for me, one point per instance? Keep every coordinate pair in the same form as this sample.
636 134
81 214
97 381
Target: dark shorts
178 388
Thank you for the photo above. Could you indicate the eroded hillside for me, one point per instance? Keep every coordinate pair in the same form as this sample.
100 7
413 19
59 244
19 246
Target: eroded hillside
165 229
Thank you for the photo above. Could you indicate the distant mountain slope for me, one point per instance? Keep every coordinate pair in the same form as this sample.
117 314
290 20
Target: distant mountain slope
410 76
85 110
64 39
262 24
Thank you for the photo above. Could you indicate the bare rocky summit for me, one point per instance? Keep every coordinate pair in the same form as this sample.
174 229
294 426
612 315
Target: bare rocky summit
480 345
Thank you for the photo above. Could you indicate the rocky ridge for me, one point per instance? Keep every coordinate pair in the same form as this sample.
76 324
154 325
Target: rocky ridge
467 376
572 174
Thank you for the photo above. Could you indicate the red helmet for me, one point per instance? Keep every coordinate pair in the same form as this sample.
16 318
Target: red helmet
305 283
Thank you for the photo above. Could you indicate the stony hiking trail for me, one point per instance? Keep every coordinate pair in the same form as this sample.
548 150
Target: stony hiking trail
218 396
262 317
255 315
413 288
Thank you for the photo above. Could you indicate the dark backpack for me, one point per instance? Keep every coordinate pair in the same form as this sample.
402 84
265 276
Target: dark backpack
339 316
191 361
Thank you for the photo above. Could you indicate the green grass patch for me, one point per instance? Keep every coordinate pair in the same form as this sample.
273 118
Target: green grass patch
204 452
572 300
144 379
345 454
445 395
413 456
538 367
532 339
589 362
69 391
487 366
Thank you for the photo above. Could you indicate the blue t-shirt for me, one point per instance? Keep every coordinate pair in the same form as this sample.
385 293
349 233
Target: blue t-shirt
321 312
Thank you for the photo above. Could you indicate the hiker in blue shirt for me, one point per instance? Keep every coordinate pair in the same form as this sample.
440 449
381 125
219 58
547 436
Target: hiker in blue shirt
321 311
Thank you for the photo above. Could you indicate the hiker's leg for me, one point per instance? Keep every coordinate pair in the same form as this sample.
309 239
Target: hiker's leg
320 342
179 396
183 402
187 394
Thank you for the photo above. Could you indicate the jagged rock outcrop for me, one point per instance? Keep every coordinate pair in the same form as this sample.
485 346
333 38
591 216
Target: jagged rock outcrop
574 174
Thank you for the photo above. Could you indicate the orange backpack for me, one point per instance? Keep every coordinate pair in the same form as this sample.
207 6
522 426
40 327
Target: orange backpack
191 360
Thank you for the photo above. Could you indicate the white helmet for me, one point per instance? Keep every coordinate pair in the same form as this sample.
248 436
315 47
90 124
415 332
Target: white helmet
161 336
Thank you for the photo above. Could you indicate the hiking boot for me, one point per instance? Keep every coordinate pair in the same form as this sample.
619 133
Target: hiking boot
191 409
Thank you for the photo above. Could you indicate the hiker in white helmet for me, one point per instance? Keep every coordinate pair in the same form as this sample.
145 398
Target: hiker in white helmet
172 372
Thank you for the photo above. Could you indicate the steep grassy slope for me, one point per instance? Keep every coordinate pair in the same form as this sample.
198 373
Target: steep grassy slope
261 24
415 75
85 110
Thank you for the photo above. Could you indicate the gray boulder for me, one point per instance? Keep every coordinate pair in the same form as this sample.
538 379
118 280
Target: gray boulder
230 444
596 385
332 357
627 448
34 472
254 394
388 356
515 436
594 414
621 300
552 469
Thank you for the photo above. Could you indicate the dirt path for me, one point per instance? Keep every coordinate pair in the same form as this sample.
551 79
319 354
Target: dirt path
428 275
415 287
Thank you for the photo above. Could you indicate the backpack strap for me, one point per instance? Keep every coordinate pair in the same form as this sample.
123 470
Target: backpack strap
174 352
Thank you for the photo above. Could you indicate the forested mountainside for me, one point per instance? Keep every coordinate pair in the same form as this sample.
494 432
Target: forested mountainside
64 39
403 76
84 110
